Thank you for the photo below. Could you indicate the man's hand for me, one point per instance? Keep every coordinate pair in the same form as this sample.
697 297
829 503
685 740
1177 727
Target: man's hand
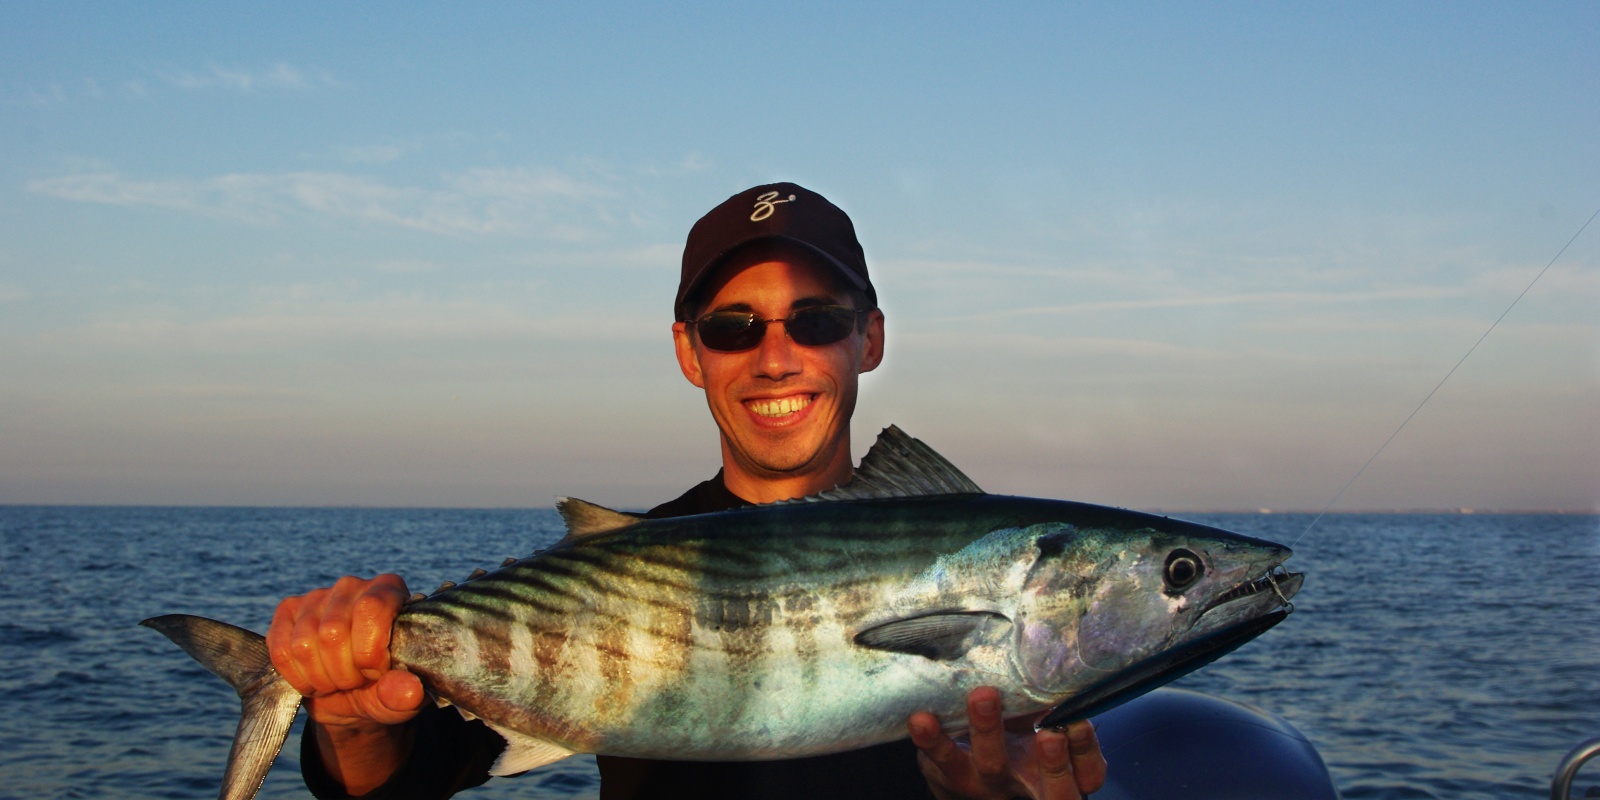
332 645
1049 765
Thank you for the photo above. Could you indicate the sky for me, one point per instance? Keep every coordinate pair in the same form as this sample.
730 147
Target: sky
1167 256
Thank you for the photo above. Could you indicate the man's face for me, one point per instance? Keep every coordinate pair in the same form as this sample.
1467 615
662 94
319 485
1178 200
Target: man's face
784 408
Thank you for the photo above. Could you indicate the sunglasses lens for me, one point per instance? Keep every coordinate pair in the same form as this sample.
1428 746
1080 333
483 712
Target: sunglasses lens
820 325
813 326
730 330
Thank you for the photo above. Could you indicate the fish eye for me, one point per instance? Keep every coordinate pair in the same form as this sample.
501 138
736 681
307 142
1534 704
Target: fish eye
1183 569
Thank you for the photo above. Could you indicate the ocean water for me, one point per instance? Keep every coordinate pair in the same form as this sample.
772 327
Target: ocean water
1430 656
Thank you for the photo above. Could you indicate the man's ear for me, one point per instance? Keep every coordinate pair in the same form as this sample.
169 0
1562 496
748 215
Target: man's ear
872 347
688 359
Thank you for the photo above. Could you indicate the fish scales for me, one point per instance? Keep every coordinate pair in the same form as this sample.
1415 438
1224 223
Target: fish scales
802 628
755 608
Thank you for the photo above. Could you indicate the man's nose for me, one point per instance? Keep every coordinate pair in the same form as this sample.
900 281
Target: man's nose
777 356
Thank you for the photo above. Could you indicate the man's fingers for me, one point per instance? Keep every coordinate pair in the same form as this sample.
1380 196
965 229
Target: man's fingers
1088 763
1054 758
371 620
987 732
302 643
930 739
333 635
398 695
924 729
305 648
279 637
336 639
937 749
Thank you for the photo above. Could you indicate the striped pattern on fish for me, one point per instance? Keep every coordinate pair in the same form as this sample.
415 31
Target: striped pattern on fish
803 628
677 637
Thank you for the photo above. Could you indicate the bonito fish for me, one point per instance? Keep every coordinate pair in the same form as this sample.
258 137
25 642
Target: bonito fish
803 627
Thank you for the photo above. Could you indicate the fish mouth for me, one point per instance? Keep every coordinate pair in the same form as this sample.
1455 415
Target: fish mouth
1166 667
1283 584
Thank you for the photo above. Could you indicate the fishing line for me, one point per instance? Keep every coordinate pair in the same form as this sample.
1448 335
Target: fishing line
1446 377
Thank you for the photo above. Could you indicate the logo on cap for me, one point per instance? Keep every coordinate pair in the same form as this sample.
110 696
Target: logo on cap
765 205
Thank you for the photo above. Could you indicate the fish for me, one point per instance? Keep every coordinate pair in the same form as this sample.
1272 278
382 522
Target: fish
802 627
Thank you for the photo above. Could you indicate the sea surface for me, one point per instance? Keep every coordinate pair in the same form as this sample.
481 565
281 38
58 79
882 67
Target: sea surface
1430 656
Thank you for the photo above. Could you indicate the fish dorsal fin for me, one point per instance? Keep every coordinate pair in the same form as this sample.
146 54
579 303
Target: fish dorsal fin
900 466
587 519
942 636
524 752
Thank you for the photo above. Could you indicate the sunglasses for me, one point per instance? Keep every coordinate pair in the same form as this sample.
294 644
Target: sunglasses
812 326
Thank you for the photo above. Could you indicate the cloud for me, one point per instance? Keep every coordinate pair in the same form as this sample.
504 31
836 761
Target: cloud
218 391
474 202
1278 299
10 293
298 315
52 95
406 266
690 164
279 76
376 153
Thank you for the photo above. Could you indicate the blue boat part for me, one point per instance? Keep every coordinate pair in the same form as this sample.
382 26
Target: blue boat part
1176 743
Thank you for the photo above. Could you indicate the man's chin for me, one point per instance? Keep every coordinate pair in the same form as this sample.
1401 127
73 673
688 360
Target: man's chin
781 452
779 466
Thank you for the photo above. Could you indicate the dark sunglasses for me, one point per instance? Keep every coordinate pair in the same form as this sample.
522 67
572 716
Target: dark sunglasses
812 326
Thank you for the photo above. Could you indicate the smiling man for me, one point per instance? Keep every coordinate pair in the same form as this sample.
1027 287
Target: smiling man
776 321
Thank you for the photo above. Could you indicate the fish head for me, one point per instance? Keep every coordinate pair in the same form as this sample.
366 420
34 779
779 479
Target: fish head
1096 603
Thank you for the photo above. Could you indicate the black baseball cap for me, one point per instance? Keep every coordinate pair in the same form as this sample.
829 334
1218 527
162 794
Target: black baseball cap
775 211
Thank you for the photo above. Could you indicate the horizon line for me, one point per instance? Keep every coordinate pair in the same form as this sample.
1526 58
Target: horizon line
1457 511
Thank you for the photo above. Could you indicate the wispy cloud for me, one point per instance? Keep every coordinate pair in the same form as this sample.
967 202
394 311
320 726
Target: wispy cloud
478 201
689 165
1243 299
327 314
278 76
52 95
376 153
405 266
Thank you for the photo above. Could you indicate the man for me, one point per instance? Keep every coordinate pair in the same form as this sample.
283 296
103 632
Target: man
776 321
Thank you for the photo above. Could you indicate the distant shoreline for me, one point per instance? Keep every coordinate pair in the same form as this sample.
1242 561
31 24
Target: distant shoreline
1163 511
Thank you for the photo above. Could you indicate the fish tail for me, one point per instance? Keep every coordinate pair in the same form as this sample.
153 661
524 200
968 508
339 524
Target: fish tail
267 702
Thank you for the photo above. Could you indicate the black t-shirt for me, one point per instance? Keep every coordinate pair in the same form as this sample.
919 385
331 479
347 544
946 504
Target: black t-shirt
449 754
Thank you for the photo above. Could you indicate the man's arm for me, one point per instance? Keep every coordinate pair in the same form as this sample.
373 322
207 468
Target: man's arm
332 645
1050 765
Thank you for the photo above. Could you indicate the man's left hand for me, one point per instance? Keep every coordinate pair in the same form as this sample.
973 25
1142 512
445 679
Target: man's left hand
1002 764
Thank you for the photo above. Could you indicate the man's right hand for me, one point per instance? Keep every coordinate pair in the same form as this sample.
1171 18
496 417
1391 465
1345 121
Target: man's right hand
332 645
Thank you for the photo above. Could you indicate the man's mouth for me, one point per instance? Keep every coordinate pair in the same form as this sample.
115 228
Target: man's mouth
779 406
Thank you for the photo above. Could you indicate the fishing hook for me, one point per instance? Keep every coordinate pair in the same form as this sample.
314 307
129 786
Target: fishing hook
1272 580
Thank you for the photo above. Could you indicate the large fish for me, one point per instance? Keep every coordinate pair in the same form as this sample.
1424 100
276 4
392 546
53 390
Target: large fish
802 627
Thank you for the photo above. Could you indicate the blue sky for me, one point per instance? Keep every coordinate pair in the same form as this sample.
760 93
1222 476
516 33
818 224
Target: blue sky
1171 256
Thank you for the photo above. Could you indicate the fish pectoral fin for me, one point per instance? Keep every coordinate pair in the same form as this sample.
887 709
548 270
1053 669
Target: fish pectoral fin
942 636
584 518
524 752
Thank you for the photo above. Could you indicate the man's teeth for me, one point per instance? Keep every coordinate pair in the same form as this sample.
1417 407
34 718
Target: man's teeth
780 406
